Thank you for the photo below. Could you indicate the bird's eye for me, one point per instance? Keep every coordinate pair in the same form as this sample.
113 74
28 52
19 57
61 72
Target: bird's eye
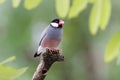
57 21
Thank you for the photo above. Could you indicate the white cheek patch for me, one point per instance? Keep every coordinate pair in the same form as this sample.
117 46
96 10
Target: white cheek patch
54 24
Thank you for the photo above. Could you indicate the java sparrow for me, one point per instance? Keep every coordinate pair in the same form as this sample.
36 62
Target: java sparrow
51 36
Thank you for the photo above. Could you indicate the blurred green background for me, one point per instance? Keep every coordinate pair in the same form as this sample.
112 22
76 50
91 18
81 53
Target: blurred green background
20 31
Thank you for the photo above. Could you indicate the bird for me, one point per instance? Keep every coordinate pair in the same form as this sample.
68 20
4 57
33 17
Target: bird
51 36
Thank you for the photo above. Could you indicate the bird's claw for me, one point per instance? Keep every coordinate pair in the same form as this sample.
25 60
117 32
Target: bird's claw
52 50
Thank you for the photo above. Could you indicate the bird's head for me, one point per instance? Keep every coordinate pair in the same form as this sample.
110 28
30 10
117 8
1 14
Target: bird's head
58 23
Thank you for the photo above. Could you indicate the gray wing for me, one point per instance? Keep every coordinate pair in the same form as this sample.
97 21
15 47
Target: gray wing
43 35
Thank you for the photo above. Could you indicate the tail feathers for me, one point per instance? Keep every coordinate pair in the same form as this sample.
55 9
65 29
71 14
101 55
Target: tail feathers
39 51
36 54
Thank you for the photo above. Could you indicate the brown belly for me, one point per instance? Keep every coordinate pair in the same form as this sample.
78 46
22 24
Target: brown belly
50 42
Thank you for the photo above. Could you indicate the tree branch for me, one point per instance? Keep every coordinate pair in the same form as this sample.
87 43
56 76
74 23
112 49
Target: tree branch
46 60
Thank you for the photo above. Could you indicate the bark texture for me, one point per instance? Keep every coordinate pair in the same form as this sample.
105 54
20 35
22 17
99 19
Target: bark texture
46 61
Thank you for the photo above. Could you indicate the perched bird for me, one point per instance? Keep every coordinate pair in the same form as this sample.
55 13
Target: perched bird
51 36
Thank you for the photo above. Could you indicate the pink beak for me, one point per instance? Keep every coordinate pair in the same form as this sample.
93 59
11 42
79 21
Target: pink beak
61 22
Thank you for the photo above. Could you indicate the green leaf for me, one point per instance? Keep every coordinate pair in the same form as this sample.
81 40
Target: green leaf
113 48
31 4
77 7
2 1
62 7
105 14
16 3
94 19
19 72
8 60
6 72
9 73
91 1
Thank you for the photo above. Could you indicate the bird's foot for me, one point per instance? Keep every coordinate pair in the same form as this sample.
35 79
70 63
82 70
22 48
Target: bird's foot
58 50
54 50
50 50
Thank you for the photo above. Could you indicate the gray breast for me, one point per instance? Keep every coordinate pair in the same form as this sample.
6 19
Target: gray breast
55 33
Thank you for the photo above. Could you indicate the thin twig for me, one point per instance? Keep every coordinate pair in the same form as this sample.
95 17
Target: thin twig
46 60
